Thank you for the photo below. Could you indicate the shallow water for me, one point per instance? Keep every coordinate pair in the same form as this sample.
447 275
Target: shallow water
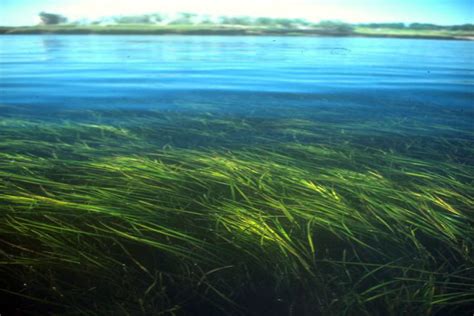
236 175
165 71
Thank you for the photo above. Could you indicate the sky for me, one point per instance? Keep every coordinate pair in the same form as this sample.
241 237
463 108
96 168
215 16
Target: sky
445 12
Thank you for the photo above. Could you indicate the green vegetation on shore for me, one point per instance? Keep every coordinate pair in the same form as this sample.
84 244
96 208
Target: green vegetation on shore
413 33
193 24
232 30
180 213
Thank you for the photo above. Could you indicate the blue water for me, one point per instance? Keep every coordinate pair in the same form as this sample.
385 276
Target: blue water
235 72
331 110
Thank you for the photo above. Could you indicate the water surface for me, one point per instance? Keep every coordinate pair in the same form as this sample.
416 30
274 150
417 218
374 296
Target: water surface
239 72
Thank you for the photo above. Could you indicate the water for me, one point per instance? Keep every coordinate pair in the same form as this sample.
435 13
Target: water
236 176
167 71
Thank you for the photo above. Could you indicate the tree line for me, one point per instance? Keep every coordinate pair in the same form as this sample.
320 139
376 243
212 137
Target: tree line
420 26
191 18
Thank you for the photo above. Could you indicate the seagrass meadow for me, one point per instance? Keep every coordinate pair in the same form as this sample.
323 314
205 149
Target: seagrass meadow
219 212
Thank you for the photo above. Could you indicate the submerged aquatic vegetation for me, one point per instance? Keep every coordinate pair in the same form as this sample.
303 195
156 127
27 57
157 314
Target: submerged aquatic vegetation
143 212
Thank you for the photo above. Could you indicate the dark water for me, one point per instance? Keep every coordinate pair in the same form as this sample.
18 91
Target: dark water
236 72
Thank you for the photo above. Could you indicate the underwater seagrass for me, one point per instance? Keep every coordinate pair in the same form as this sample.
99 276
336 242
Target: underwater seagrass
179 212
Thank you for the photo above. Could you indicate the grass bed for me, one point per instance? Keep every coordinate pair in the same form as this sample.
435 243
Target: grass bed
185 213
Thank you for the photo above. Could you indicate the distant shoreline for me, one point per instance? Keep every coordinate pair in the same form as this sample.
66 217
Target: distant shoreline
227 31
